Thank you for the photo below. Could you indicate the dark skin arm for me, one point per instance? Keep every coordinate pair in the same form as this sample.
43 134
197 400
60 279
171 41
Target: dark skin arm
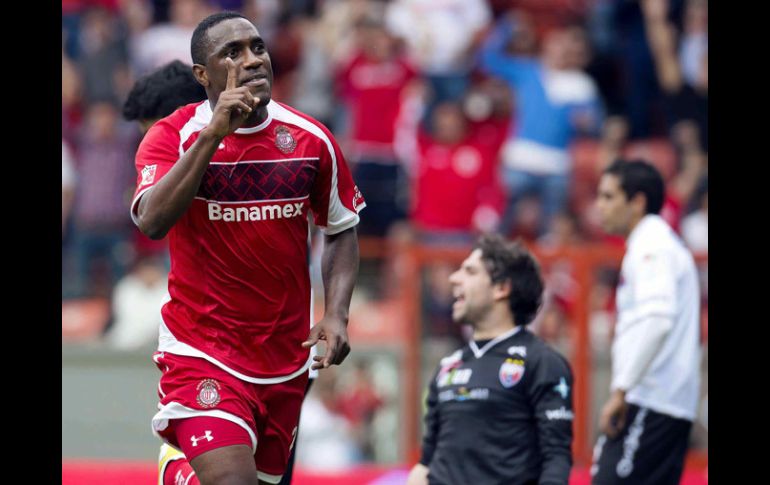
163 205
339 267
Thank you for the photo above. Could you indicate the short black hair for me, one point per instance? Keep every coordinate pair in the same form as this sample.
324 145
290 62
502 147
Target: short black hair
199 43
638 176
510 261
161 92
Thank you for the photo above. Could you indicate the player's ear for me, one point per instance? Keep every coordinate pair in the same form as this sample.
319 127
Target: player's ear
639 202
501 290
199 71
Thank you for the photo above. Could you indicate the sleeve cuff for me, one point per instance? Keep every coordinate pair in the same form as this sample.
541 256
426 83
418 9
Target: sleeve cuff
135 205
427 455
331 230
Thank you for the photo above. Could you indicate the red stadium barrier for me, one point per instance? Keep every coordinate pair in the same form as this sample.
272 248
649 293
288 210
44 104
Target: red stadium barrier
96 472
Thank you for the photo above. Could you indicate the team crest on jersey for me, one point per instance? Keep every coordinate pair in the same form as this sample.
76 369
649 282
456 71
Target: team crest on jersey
511 372
208 393
148 174
283 140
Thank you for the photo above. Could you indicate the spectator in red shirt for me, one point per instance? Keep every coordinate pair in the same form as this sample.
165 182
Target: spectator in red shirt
372 84
456 192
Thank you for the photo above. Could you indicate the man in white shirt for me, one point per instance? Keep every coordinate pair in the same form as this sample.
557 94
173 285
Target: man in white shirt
646 422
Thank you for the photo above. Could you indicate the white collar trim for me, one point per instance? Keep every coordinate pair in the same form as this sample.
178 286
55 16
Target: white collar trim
208 113
478 353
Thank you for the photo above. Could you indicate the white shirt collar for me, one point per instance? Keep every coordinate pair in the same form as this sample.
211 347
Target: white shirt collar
480 352
207 113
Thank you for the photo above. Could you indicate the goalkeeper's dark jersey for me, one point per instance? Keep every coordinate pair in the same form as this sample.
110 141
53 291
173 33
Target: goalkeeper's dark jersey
500 414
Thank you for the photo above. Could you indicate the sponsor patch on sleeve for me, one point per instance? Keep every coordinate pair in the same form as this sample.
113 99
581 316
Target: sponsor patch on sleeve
358 200
148 174
559 414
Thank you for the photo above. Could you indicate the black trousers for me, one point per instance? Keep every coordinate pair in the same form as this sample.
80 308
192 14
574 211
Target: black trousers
649 451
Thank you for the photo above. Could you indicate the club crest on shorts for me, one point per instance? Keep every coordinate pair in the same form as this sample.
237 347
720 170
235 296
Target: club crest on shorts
283 140
208 393
511 372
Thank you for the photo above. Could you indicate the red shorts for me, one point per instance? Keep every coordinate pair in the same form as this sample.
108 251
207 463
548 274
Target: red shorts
262 416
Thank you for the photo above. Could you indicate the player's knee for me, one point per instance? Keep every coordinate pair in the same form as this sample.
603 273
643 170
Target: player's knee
233 465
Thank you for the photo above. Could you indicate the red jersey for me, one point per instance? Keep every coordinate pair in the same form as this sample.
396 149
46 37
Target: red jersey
373 90
453 181
239 288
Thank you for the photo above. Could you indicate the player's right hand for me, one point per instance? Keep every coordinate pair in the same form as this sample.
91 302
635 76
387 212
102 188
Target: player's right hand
612 418
334 332
234 105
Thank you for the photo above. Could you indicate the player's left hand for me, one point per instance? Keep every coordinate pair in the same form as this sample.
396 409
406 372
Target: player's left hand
335 332
613 416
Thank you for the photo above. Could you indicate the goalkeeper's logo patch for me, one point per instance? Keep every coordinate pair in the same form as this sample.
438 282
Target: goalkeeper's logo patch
562 388
148 174
511 372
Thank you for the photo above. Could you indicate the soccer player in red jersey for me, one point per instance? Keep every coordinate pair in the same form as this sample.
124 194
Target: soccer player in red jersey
231 180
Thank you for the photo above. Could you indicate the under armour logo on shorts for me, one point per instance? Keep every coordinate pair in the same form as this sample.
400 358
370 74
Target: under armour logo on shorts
206 436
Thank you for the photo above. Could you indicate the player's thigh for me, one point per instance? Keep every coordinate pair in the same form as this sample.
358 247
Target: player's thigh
202 407
229 465
280 423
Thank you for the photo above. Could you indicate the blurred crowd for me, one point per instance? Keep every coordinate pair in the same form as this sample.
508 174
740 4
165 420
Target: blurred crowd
349 417
455 116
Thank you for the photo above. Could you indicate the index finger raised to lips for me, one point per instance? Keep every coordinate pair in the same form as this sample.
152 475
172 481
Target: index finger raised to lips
231 76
